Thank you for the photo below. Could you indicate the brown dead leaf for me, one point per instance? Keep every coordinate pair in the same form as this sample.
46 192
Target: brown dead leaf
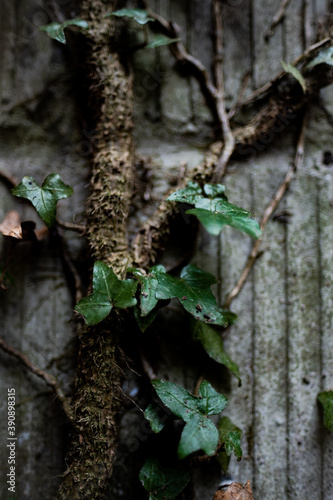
11 228
235 492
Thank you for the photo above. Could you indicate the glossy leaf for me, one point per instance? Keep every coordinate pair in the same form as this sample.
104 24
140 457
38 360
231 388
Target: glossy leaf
289 68
108 292
194 293
44 198
56 30
325 56
326 400
153 415
139 15
213 344
160 40
162 483
214 211
199 432
192 289
191 194
230 436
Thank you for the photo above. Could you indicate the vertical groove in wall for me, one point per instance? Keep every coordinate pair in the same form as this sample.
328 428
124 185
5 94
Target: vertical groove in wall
286 285
252 356
252 44
320 325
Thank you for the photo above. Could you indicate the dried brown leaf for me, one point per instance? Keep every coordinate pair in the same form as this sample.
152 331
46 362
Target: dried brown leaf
235 492
12 228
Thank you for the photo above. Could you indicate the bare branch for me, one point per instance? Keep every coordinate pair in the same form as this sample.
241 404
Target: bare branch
255 252
278 17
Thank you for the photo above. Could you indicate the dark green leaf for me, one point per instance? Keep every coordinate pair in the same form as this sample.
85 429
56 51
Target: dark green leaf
161 483
144 321
214 211
139 15
153 414
198 434
108 291
193 291
326 400
213 190
191 194
289 68
210 401
159 40
56 30
213 344
149 284
325 56
44 198
230 436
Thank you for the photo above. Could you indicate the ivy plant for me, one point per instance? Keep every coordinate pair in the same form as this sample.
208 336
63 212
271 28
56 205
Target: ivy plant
108 292
213 209
45 197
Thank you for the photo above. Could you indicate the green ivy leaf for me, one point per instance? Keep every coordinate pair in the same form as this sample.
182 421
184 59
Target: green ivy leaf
108 292
152 414
144 321
326 400
214 211
139 15
161 483
160 40
325 56
289 68
194 293
192 289
56 30
44 198
213 344
191 194
199 432
231 436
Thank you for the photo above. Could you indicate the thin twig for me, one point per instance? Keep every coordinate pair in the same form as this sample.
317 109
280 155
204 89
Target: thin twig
278 17
48 378
229 140
293 169
181 55
308 54
72 226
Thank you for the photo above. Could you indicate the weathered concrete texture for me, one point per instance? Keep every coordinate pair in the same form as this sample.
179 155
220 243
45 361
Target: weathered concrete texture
283 338
39 134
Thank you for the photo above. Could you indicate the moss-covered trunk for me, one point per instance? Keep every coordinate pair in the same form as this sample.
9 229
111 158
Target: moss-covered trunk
97 386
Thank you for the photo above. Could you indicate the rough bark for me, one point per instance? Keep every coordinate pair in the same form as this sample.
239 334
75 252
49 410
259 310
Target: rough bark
97 387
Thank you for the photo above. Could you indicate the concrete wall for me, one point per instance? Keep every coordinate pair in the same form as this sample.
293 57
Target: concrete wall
283 338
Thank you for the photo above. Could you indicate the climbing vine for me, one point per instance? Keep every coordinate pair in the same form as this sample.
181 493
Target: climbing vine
128 279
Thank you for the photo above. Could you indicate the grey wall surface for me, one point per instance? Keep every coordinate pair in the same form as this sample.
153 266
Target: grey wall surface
282 340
